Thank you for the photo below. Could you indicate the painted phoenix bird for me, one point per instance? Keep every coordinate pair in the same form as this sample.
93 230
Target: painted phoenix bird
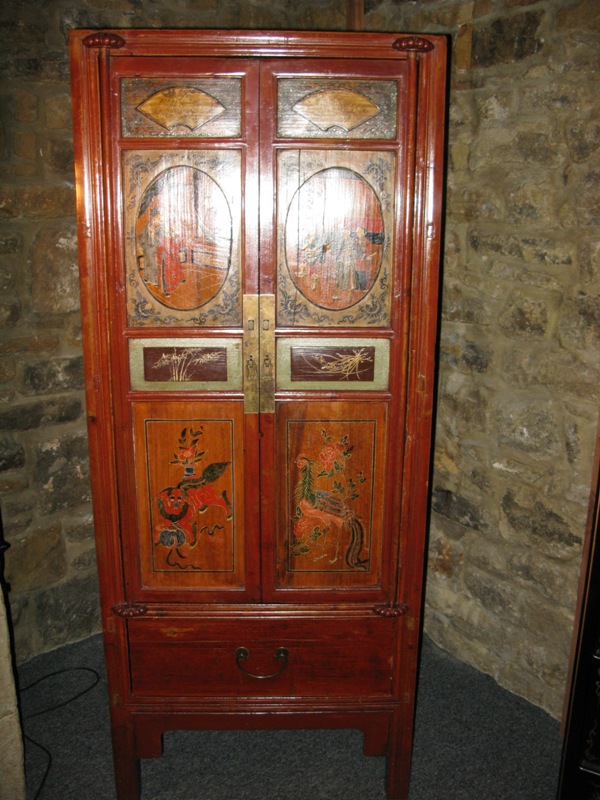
318 511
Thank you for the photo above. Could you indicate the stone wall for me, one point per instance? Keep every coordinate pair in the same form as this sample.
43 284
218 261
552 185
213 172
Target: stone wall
518 389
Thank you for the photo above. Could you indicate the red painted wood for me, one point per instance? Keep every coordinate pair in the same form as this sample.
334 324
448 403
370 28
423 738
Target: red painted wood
350 664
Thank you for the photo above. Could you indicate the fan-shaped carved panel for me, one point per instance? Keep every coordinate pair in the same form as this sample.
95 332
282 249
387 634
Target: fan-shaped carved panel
174 107
181 106
311 108
340 108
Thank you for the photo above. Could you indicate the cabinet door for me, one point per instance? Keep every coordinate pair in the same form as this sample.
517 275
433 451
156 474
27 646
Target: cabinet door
182 172
335 251
253 240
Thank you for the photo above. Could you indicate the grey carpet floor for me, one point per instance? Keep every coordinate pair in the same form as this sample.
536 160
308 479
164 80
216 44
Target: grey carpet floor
473 741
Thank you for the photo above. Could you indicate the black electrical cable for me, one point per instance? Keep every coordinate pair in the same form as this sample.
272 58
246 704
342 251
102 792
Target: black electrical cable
96 677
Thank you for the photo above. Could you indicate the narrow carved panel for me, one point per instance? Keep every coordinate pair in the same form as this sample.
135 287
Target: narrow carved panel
163 107
190 364
332 502
333 364
188 494
318 363
177 364
352 109
335 237
182 228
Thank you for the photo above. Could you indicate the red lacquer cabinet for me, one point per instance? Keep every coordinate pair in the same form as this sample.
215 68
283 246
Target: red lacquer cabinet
259 222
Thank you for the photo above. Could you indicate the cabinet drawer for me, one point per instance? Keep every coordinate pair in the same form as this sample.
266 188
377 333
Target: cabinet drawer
322 658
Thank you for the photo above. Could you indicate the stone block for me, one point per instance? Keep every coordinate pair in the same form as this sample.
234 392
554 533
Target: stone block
528 426
62 473
464 404
531 198
556 368
52 67
458 351
525 315
36 559
79 527
8 202
464 305
12 454
67 612
458 508
583 139
589 261
488 553
546 575
557 97
85 561
582 15
587 200
55 270
491 591
466 202
517 144
539 525
59 157
534 147
55 375
580 321
7 276
57 111
25 145
13 482
495 107
507 40
28 343
27 416
45 201
25 106
10 313
505 273
10 243
445 557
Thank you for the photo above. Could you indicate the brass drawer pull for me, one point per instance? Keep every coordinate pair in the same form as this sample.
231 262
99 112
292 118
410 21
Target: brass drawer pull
281 654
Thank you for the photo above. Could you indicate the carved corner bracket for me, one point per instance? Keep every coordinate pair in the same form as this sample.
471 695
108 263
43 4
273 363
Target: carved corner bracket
129 610
396 610
413 44
103 39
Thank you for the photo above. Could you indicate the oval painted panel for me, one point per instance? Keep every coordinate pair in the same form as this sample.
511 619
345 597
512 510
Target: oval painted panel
334 238
183 238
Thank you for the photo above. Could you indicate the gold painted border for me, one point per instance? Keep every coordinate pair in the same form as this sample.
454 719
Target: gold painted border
234 365
381 376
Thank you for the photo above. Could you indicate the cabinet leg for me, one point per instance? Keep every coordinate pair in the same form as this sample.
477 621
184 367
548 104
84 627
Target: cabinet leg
398 760
127 766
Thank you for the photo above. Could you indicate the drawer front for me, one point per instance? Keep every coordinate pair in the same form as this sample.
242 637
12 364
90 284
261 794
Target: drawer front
261 657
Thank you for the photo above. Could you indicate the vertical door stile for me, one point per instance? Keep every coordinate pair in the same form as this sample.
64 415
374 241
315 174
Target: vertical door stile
108 214
429 127
407 221
267 281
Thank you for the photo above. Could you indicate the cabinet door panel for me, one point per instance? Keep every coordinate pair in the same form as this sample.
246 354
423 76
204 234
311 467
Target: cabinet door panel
182 237
331 491
189 495
335 242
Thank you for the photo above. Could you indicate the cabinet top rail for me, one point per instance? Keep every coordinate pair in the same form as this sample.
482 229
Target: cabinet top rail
247 43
